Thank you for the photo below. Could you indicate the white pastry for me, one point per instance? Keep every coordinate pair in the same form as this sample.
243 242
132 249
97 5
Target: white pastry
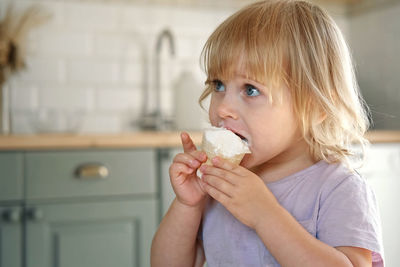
224 144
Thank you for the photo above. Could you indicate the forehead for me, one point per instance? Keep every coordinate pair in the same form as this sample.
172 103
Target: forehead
244 67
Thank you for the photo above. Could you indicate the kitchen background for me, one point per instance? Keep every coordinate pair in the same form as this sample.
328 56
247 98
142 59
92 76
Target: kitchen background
96 59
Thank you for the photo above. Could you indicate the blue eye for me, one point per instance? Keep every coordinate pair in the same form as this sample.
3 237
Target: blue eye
251 90
219 86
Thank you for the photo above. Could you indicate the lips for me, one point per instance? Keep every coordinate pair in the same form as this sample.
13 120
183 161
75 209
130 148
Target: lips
237 133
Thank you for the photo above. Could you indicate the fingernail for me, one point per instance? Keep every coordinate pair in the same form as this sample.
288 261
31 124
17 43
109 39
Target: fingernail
195 163
203 168
215 160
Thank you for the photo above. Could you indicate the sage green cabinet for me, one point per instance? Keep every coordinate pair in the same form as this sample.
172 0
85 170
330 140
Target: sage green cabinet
10 236
11 194
70 174
101 234
78 208
11 176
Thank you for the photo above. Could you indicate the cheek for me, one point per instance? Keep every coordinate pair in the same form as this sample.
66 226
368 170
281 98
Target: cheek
212 111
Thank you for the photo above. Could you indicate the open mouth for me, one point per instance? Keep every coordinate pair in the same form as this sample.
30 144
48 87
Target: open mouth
242 137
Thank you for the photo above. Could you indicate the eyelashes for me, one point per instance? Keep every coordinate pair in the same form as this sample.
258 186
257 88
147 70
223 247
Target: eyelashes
248 90
218 86
252 90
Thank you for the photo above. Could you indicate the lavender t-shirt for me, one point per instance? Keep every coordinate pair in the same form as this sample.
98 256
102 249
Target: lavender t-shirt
333 204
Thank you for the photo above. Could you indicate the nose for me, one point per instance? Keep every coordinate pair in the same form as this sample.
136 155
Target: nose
227 108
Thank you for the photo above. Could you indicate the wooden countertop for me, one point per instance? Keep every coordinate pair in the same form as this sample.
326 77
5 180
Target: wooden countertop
128 140
82 141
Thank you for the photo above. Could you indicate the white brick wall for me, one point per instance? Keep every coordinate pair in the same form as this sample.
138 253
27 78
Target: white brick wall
98 56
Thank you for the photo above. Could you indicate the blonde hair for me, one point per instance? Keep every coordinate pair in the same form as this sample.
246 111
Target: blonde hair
298 44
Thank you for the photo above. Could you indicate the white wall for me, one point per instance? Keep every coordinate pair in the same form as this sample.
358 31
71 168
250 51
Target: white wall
90 56
382 169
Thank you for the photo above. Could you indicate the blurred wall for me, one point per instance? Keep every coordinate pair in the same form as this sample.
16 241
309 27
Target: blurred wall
375 41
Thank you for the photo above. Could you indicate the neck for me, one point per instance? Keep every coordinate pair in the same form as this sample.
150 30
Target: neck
285 164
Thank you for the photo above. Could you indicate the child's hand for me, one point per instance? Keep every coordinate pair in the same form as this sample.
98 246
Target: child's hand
239 190
182 172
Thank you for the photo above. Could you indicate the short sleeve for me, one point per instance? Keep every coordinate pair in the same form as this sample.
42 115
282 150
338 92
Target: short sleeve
349 216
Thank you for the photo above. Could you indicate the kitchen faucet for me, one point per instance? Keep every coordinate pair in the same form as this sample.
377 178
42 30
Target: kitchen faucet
153 120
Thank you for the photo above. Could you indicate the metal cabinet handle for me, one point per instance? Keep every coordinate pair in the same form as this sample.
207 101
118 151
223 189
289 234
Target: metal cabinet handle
35 214
92 171
11 216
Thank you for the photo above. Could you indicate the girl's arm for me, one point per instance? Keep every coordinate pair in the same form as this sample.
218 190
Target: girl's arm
175 243
292 245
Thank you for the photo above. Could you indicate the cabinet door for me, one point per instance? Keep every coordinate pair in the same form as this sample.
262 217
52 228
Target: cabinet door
117 234
167 193
10 237
11 177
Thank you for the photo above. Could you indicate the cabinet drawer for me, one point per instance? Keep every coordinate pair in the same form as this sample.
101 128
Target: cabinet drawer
55 174
11 175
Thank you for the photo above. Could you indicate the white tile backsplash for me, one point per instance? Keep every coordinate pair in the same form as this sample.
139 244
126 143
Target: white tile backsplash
99 56
92 16
121 100
97 122
24 97
93 71
72 43
110 45
43 69
65 97
132 73
21 121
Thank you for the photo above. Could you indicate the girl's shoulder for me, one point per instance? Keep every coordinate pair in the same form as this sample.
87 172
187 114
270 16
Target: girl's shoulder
320 176
337 176
319 182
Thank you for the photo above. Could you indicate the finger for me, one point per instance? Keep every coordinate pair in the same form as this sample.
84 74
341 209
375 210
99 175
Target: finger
219 184
226 165
187 143
187 159
199 155
216 194
217 172
177 168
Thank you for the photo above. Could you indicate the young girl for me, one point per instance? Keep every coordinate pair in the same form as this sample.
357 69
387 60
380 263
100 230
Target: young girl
279 75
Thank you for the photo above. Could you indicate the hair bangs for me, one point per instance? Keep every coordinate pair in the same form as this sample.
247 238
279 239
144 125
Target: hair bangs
249 43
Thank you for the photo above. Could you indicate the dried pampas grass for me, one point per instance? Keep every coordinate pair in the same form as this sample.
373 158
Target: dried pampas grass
13 34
